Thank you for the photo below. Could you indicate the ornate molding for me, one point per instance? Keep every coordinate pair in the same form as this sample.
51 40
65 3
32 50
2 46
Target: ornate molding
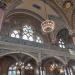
2 5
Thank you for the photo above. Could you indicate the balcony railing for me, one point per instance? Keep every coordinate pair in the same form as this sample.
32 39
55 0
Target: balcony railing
34 44
23 45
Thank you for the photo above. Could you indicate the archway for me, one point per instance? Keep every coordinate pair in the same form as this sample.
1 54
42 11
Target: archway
52 66
17 64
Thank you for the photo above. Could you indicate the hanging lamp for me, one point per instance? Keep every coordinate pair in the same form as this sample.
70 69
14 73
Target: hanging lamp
47 25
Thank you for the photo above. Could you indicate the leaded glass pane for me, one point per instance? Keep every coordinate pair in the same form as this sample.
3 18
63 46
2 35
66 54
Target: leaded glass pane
12 35
38 39
9 72
30 38
15 34
27 33
61 43
14 72
25 37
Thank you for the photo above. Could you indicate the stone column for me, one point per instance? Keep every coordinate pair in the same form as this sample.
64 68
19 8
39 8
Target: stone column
38 69
2 7
73 37
39 62
72 33
53 38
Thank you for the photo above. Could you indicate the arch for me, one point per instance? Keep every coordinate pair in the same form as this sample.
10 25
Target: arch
55 7
64 30
12 63
25 11
61 60
59 11
66 38
53 65
71 61
64 35
36 59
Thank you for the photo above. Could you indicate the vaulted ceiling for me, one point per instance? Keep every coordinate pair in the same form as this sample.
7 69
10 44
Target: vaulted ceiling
61 10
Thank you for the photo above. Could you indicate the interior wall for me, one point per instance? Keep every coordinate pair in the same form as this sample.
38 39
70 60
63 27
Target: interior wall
5 62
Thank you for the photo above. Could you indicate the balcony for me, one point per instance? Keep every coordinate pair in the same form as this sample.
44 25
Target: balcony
8 45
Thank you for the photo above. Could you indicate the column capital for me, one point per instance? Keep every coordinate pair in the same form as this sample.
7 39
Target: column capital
2 5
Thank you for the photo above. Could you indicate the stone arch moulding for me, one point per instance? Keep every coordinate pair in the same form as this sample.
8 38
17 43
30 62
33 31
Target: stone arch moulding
57 58
59 11
52 4
22 52
25 11
31 13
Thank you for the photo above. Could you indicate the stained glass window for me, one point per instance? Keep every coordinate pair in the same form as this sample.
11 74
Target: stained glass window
61 43
12 71
27 33
19 68
28 67
15 34
38 39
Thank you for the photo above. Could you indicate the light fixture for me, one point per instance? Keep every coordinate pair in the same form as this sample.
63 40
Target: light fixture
28 67
47 25
61 70
55 66
20 65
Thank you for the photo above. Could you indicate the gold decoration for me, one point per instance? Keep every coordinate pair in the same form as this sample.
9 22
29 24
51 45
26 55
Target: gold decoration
67 4
48 26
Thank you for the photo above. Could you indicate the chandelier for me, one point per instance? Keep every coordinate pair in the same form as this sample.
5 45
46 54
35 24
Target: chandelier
55 66
20 65
47 25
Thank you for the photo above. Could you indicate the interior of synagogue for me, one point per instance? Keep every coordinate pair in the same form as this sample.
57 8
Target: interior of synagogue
37 37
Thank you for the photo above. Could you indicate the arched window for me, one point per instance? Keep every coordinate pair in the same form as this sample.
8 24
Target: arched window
38 39
16 69
61 43
12 70
63 38
19 68
15 34
27 33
